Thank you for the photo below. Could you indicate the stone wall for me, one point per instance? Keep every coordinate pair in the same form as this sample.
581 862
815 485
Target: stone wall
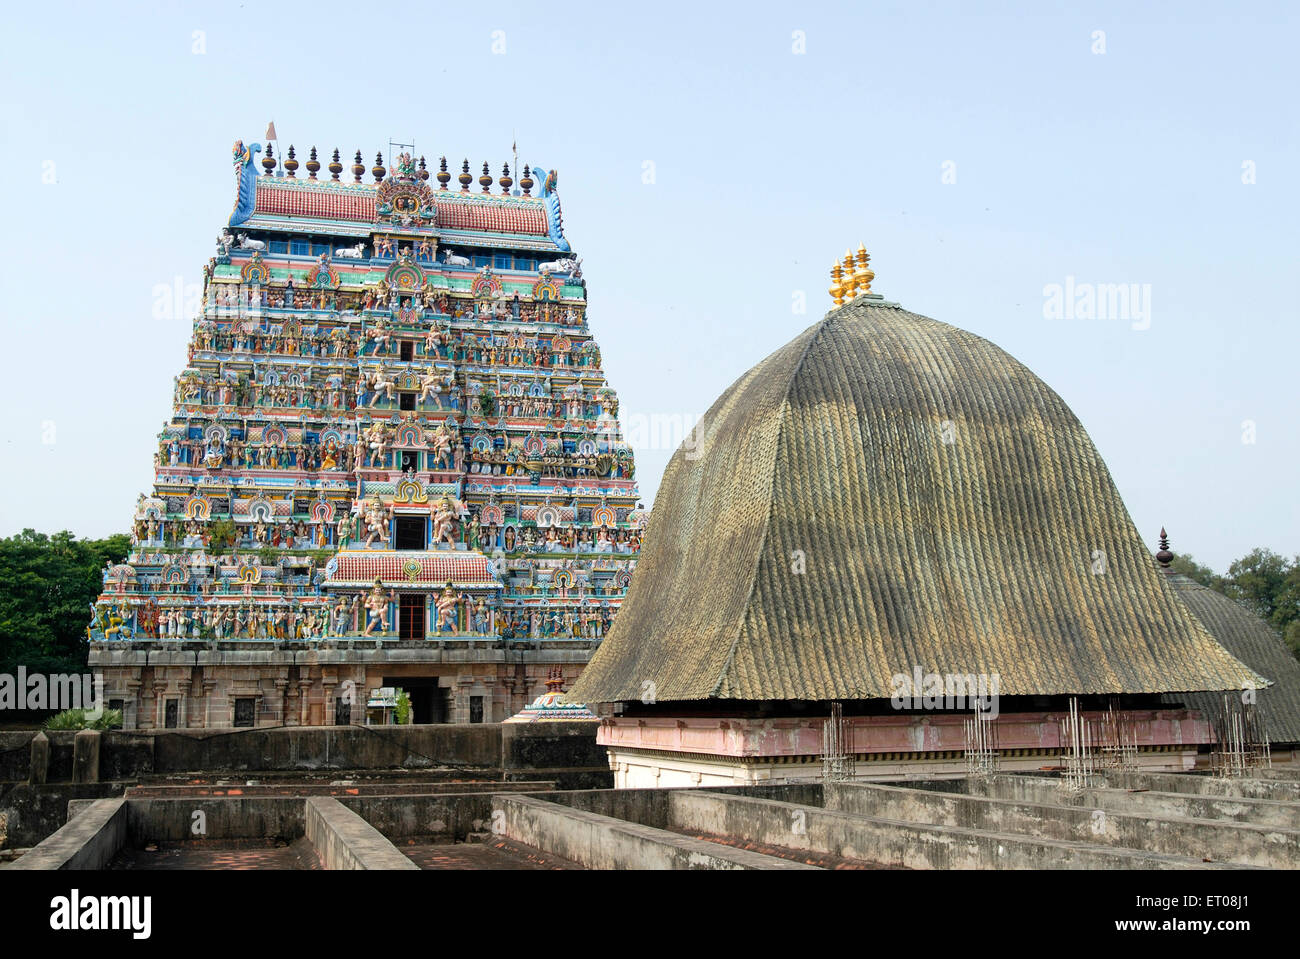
564 754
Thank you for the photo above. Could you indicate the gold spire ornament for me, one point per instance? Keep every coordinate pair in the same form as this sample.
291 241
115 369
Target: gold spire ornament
837 288
850 281
852 277
864 274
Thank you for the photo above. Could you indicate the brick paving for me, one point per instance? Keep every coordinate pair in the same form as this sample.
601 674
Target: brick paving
496 854
219 854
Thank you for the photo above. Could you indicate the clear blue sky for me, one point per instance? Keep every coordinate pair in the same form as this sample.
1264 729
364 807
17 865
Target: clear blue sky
1117 167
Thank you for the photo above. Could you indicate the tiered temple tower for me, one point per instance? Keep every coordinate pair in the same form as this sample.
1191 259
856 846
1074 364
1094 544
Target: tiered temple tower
393 461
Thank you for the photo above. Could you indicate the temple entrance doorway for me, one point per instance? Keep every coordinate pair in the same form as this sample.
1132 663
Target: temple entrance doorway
428 699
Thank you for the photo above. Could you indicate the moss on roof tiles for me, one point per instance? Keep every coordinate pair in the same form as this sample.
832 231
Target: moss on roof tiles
948 511
1259 646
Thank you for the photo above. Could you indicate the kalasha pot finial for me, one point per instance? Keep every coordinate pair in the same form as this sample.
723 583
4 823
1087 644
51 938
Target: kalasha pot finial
1164 556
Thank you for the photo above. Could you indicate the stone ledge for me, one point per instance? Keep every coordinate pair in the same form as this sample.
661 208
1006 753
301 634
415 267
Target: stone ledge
88 841
344 840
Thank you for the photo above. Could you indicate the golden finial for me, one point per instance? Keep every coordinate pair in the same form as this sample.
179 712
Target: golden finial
850 280
864 274
837 288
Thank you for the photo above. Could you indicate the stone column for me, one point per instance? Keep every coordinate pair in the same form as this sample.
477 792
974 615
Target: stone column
209 691
279 711
40 759
183 707
159 696
460 713
131 705
327 690
508 687
304 701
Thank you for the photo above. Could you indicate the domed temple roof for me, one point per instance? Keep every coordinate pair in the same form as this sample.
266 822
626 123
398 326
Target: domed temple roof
886 493
1255 643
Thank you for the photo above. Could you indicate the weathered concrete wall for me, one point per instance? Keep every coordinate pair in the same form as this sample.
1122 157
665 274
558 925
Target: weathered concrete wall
1280 773
34 812
891 842
1244 788
447 817
15 755
344 840
328 747
1260 812
600 842
650 807
565 752
155 820
88 841
1263 846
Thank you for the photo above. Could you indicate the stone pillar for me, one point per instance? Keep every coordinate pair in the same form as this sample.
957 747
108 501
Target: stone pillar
289 695
159 688
183 707
131 705
40 759
460 712
209 689
85 756
508 687
304 701
327 690
279 710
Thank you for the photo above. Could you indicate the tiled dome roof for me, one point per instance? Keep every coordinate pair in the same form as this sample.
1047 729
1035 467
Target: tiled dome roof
888 492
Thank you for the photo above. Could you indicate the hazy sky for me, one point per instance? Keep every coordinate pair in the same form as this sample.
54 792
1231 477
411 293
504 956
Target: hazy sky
713 160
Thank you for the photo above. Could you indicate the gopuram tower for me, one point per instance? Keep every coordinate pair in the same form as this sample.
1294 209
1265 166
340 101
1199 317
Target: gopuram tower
393 462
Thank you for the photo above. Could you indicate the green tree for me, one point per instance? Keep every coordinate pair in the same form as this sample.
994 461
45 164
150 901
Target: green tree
1194 570
47 585
1262 580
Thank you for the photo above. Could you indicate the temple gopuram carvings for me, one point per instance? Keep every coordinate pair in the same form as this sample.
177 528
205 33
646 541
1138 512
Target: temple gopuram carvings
393 461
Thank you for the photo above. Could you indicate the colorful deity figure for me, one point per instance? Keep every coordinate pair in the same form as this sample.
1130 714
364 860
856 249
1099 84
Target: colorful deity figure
446 517
111 622
345 530
446 609
376 520
377 603
440 446
433 341
382 386
380 335
340 620
430 386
